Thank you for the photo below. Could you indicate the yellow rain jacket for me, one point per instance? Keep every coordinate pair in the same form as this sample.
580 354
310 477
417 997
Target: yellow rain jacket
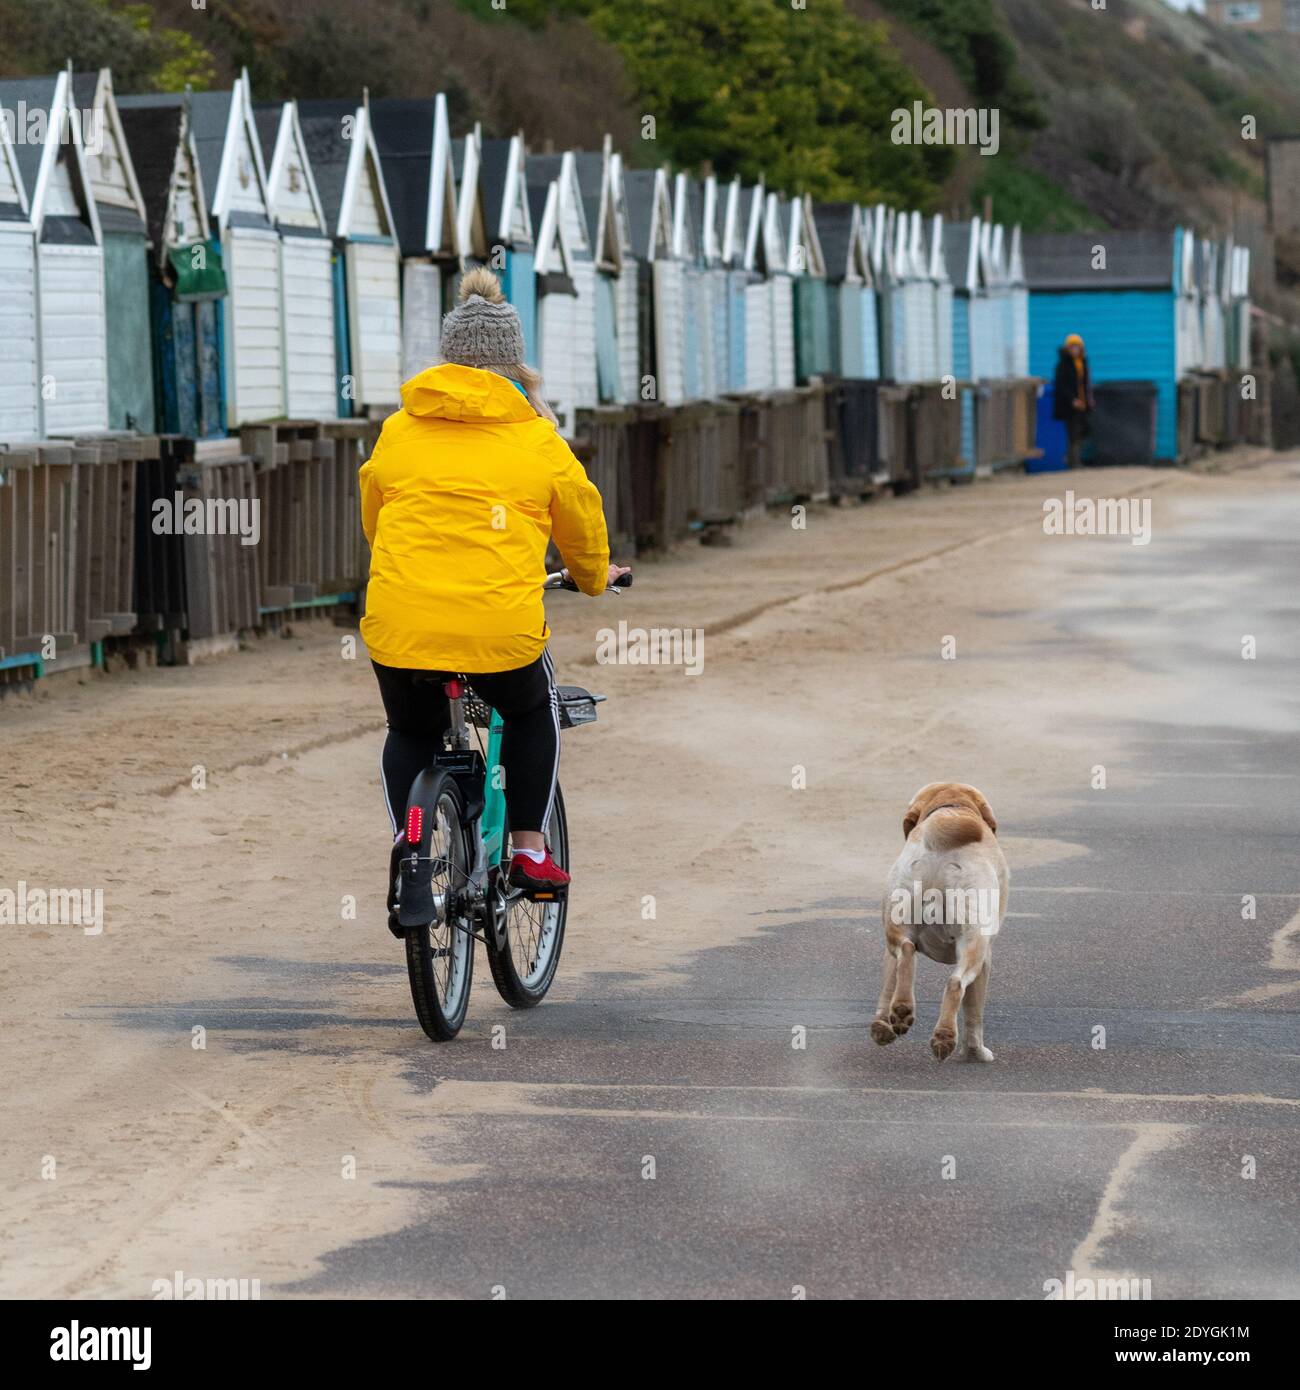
464 489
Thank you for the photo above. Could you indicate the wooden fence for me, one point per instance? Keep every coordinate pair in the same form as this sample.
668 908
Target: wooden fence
1220 410
180 542
67 546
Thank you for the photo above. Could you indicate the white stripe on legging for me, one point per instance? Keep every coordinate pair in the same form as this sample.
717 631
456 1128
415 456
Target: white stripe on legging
555 716
383 782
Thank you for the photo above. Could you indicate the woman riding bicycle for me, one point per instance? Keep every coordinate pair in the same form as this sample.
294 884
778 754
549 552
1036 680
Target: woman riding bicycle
467 485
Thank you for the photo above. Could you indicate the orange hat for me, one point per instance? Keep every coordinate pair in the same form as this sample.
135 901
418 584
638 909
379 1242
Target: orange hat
1074 340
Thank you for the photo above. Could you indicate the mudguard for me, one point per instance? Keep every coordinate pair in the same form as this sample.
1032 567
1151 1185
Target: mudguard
470 772
416 906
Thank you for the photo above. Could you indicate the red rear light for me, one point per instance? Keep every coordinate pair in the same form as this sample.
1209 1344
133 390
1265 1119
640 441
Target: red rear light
454 690
414 824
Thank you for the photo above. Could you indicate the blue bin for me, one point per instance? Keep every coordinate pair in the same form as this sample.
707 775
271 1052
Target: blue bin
1051 438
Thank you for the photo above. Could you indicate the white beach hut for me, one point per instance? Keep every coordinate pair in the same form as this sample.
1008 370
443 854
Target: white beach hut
650 222
69 262
311 376
367 293
626 289
234 179
733 262
780 239
566 271
20 401
760 373
688 210
414 142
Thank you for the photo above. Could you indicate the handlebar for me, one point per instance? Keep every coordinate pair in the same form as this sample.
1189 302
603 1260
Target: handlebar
561 580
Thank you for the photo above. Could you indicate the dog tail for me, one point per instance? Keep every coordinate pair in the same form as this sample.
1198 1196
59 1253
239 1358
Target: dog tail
951 829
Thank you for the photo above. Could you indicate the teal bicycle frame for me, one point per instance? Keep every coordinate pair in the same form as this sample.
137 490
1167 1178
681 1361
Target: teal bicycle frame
492 823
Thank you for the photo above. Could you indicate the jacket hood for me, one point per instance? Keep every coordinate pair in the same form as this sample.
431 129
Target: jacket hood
469 394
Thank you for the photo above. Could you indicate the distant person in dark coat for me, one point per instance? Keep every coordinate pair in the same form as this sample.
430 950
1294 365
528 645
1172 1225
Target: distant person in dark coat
1073 403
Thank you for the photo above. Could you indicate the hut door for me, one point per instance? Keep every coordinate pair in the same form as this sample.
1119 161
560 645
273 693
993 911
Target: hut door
19 394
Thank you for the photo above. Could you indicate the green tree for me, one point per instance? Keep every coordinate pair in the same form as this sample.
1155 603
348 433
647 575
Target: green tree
803 97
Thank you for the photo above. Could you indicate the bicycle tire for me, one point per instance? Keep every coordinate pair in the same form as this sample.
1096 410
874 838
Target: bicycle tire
435 950
520 988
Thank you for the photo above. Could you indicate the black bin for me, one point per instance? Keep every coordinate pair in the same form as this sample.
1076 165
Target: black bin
1124 423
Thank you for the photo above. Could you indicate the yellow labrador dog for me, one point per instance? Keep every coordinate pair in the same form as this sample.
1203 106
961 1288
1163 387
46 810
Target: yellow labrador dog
946 897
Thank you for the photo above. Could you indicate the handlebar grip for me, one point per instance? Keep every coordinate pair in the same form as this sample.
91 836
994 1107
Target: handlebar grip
624 581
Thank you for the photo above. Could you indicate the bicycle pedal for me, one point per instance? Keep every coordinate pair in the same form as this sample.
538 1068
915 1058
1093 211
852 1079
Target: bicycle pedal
545 895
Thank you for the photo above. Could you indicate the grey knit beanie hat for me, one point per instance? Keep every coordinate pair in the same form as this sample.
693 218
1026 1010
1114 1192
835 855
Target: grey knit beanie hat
483 330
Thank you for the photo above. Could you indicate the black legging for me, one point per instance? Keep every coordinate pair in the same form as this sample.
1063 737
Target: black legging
418 717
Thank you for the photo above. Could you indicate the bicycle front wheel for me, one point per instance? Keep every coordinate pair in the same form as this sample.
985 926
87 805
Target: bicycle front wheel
524 966
440 954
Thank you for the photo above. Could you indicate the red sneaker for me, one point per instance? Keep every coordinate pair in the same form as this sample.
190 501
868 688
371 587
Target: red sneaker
539 881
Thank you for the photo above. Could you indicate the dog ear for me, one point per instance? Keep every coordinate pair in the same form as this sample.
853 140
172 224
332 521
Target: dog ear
912 816
987 812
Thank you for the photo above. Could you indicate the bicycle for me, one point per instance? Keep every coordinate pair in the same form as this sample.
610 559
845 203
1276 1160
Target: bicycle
448 884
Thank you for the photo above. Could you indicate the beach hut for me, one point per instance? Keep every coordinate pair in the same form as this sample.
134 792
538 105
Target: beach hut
870 299
627 293
311 375
471 216
187 280
366 261
650 216
1019 292
736 280
504 192
890 278
234 179
780 238
879 247
988 319
840 234
961 246
20 401
688 219
924 295
1239 356
70 311
1124 305
716 369
1213 327
937 270
595 173
906 299
120 208
1188 347
414 142
759 357
816 316
508 226
566 285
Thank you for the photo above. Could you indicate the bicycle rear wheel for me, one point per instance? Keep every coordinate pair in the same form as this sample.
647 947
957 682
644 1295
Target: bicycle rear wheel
524 967
440 954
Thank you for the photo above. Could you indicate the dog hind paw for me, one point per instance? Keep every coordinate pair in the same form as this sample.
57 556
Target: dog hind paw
978 1054
882 1032
902 1016
943 1043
